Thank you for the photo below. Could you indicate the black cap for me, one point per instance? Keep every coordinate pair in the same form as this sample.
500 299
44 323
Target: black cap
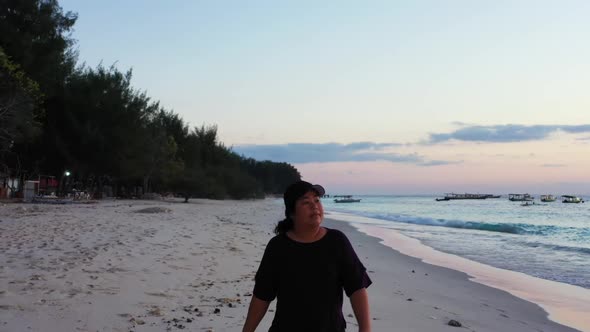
295 191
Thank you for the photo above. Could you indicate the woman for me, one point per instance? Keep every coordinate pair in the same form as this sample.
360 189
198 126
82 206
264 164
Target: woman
306 267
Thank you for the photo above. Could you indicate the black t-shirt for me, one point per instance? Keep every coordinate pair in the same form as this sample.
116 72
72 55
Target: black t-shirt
307 279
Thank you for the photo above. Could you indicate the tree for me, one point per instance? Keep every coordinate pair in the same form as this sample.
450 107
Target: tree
35 34
108 128
274 177
19 95
167 132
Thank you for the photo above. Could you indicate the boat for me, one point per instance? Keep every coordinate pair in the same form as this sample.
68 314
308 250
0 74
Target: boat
520 197
571 199
345 199
548 198
452 196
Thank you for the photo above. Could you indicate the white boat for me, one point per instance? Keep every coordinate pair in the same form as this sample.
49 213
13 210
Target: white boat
572 199
548 198
520 197
346 199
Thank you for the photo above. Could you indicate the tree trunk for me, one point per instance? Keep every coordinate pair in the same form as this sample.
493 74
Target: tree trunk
146 182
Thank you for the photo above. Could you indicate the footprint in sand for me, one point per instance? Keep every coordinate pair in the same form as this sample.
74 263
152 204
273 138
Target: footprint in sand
159 294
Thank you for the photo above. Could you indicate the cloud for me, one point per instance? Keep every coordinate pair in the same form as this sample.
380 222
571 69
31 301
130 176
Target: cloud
440 163
505 133
554 165
300 153
460 123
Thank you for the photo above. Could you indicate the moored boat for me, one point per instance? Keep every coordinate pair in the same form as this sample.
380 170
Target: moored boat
548 198
571 199
453 196
346 199
520 197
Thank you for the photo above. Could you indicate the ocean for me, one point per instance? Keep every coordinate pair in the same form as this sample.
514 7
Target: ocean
546 240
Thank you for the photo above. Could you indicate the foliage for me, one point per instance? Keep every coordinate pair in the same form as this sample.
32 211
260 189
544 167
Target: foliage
19 95
36 35
274 177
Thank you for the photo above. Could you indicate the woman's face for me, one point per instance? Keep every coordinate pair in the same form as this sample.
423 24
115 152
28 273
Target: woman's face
309 210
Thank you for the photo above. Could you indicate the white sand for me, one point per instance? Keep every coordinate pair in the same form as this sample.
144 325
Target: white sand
107 267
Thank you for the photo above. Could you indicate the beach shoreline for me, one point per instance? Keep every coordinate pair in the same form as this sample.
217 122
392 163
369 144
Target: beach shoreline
165 266
563 303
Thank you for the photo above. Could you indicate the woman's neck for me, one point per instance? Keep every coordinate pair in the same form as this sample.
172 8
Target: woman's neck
306 235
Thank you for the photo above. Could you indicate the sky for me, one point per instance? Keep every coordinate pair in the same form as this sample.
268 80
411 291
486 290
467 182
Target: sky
372 97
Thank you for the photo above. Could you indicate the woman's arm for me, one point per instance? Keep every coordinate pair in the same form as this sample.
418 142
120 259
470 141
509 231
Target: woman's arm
360 305
256 312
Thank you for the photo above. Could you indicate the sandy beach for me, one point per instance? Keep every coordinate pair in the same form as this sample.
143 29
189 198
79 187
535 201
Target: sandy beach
126 265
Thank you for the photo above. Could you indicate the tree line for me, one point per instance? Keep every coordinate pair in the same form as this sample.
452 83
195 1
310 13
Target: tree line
57 115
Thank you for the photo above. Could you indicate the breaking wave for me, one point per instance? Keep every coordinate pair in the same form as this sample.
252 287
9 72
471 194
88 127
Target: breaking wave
510 228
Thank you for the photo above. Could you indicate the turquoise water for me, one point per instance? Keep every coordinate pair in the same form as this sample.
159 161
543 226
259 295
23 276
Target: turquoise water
546 240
